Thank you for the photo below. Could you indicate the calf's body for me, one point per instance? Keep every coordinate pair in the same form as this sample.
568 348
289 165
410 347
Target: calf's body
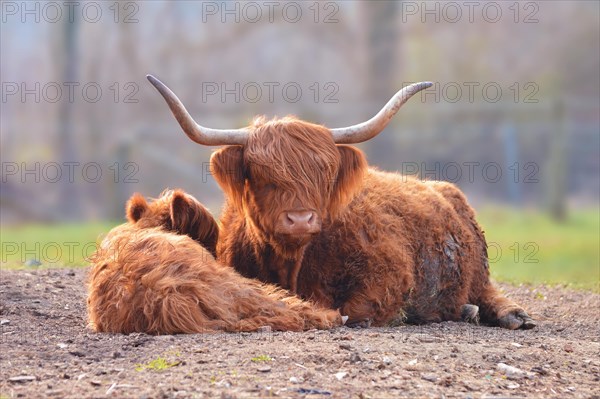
146 278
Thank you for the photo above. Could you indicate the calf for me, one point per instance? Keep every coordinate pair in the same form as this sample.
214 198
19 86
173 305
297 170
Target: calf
145 278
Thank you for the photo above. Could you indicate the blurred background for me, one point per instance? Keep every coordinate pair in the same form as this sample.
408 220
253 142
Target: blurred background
513 117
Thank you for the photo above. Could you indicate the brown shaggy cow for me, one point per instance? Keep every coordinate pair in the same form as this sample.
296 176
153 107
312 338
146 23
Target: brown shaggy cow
308 213
146 279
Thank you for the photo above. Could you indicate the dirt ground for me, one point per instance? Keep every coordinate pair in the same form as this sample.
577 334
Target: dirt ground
47 351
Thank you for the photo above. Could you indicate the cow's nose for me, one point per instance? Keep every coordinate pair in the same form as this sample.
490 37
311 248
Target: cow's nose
299 221
300 218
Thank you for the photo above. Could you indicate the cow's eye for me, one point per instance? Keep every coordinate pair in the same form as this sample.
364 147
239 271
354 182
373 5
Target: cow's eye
266 188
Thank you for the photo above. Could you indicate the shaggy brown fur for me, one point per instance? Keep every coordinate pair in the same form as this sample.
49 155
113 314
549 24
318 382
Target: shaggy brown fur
146 279
390 247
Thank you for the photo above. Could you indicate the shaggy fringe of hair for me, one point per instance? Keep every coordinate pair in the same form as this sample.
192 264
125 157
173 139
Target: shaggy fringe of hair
274 155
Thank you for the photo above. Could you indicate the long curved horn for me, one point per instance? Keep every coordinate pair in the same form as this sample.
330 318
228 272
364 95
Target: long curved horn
199 134
371 128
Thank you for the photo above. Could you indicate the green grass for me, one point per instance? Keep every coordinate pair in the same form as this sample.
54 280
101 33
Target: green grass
55 245
261 358
158 364
530 247
525 246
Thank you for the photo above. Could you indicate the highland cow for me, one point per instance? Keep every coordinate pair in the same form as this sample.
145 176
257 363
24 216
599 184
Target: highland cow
145 278
305 211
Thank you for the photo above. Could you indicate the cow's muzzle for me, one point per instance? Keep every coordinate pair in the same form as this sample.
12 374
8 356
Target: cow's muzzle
299 222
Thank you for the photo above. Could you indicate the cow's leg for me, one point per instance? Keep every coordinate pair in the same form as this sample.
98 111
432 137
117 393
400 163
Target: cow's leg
495 308
360 313
470 314
373 307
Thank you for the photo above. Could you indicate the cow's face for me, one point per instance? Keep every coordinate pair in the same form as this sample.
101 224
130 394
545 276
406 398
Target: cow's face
288 179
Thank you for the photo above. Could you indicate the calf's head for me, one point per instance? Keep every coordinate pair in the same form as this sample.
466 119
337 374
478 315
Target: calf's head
176 211
287 176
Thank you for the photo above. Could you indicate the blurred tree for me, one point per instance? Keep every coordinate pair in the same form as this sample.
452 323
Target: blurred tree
557 166
383 44
66 151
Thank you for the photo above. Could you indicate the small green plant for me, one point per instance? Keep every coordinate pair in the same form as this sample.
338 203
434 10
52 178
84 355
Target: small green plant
539 295
262 358
214 377
158 364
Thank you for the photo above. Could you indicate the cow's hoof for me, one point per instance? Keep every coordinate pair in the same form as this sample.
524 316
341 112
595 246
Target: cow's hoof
365 323
470 314
515 319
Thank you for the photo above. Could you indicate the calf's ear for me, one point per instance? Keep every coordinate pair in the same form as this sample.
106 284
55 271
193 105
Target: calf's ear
353 167
135 207
189 216
227 166
183 212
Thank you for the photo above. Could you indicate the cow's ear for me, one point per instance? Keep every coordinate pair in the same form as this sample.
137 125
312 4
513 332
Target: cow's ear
227 166
353 167
135 208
